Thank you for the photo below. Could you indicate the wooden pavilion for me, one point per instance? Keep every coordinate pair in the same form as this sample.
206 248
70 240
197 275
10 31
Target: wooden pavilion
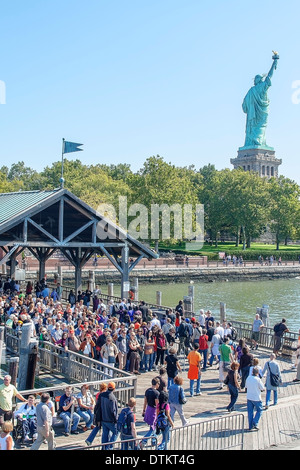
46 221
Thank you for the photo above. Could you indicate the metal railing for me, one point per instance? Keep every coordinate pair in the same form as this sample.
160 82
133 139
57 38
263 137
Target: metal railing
128 444
214 434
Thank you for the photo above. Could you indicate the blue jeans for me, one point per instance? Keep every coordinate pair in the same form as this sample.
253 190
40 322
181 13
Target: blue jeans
66 417
234 393
87 416
109 433
203 353
170 381
251 406
150 433
198 384
149 360
211 360
93 434
165 439
268 397
127 445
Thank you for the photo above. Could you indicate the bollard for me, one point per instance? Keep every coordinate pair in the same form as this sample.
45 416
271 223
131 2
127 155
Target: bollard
91 281
110 289
135 285
158 298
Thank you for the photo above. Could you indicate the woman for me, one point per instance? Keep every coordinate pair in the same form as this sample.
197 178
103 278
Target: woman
87 346
163 408
203 347
246 362
86 405
109 354
233 385
149 351
6 441
161 346
271 367
176 398
133 354
239 350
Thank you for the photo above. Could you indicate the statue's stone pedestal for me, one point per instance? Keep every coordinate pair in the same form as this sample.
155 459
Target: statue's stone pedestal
260 160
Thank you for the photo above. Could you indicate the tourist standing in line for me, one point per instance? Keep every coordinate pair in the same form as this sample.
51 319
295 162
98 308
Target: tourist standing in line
130 427
233 385
97 417
44 424
271 367
194 373
254 388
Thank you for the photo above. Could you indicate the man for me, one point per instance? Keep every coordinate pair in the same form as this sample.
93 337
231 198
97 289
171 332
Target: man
184 336
128 430
44 424
72 343
155 321
257 325
279 330
226 358
106 413
194 373
254 388
7 393
70 419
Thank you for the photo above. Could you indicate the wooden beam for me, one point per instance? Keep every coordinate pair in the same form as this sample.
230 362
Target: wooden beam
77 232
41 229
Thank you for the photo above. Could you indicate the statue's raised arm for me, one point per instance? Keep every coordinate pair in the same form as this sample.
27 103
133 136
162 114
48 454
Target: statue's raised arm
256 106
274 65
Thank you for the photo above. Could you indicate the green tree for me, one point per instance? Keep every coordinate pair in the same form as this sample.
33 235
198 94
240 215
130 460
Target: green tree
284 208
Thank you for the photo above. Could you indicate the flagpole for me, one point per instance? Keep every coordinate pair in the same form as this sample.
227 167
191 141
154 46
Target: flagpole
62 164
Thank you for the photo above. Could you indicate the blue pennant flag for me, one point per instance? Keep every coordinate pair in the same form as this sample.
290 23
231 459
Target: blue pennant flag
69 147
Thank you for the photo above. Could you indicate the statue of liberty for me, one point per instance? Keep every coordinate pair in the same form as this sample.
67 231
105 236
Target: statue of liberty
256 106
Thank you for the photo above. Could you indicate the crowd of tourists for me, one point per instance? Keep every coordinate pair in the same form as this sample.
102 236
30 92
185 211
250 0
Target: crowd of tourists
131 337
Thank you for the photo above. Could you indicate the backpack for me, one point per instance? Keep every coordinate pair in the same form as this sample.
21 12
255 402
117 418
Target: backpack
233 333
161 421
122 423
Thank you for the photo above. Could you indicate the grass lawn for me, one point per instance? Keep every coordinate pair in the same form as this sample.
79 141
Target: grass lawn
229 248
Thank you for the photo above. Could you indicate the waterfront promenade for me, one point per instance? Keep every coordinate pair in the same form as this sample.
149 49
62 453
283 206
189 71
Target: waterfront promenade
279 425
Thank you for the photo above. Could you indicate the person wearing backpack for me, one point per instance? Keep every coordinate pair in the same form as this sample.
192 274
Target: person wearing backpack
126 426
163 420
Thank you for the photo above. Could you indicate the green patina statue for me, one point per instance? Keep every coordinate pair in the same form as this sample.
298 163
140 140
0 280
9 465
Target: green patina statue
256 106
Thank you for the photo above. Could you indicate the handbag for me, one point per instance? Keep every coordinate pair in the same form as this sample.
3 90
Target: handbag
274 378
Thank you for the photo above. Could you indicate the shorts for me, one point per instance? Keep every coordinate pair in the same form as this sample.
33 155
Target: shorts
255 335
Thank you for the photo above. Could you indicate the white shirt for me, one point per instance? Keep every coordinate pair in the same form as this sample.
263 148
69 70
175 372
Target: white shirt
254 388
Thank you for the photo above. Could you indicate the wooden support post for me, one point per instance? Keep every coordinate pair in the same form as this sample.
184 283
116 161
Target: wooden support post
13 369
125 286
158 297
222 311
1 343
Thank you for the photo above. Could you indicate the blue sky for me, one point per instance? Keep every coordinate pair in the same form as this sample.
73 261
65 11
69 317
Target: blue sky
130 79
